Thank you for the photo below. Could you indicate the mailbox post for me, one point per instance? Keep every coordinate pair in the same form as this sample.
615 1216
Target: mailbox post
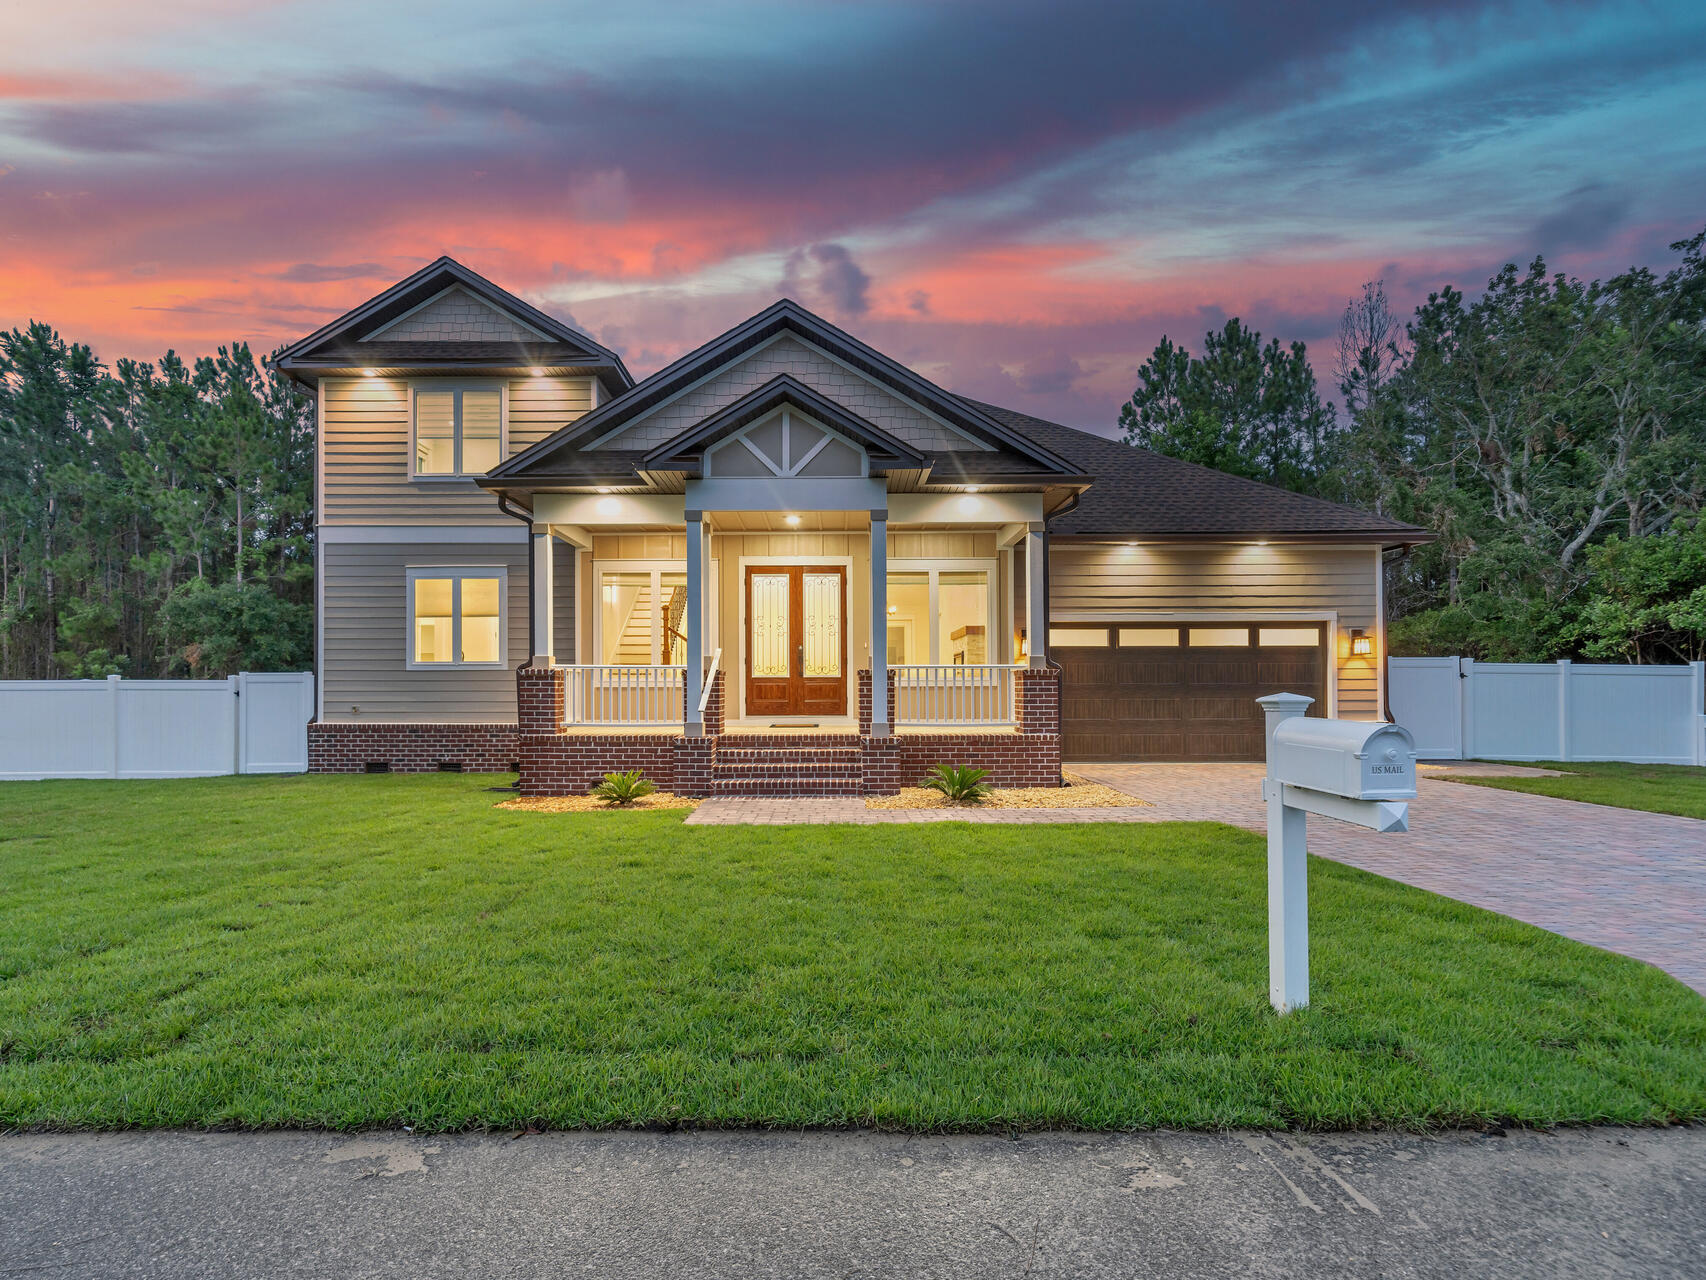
1356 771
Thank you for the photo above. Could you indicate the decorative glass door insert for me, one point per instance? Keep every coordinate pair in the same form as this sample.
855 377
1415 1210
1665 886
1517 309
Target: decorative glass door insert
796 640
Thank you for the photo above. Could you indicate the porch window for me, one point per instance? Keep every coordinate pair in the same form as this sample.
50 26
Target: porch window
458 430
940 616
642 617
456 617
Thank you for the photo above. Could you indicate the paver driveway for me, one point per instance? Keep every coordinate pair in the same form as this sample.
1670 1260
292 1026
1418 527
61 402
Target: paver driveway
1628 881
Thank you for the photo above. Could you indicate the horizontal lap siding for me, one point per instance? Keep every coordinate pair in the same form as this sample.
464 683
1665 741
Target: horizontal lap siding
366 637
364 451
1118 580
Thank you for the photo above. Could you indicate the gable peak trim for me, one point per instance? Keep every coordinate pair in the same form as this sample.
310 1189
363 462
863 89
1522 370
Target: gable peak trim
459 287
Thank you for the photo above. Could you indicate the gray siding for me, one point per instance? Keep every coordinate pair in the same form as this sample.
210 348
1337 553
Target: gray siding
853 391
366 637
1117 580
563 597
364 450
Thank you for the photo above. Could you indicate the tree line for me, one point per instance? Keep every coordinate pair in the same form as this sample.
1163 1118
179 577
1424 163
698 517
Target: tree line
1551 434
155 520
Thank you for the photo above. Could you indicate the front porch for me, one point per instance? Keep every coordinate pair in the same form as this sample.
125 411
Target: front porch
745 652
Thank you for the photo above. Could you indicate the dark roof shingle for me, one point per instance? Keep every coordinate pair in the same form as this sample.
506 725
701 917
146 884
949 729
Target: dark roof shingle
1138 491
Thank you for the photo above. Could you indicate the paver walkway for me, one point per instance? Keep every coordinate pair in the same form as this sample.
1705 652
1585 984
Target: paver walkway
1628 881
726 811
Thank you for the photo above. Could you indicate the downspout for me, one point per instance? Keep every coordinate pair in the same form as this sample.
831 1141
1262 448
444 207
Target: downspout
526 517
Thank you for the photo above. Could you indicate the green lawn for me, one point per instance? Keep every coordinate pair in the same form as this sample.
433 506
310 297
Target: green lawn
1657 788
392 950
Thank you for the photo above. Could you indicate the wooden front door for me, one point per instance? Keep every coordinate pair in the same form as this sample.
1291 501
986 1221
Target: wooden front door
796 640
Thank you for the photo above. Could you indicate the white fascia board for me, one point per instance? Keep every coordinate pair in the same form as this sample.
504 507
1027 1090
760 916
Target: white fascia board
601 510
786 493
965 508
422 534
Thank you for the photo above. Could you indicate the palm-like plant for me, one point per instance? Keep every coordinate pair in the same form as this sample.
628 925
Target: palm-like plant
960 784
624 788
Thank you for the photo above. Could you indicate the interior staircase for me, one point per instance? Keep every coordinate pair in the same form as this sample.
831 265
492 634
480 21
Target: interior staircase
776 764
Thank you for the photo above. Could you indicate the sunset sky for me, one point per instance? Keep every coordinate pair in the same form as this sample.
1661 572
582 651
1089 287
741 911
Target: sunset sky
1015 200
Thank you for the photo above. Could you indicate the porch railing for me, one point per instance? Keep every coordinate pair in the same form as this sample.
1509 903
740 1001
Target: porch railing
953 694
624 696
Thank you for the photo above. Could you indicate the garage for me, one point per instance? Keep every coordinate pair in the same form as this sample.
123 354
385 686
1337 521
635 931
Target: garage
1186 691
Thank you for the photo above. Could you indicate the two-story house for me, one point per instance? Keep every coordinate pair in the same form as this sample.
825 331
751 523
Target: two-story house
785 564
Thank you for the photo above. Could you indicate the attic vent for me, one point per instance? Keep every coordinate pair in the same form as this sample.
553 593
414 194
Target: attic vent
376 766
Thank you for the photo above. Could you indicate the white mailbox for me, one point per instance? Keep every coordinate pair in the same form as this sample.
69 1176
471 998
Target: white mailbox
1360 760
1356 771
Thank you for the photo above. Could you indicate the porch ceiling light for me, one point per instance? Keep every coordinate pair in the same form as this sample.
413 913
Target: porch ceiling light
370 373
971 488
537 373
604 488
791 520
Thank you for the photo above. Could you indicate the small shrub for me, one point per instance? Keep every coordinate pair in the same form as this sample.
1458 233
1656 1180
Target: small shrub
624 788
961 784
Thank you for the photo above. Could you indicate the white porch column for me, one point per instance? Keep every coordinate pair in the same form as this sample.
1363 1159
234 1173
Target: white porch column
696 561
879 624
544 599
1036 595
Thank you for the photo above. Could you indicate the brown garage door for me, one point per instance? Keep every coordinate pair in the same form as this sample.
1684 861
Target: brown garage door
1163 692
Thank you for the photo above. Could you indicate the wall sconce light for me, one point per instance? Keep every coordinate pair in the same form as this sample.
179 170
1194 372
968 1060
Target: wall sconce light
1361 643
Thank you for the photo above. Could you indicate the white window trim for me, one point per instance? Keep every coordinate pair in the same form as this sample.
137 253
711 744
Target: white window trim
935 568
791 466
456 573
459 384
657 568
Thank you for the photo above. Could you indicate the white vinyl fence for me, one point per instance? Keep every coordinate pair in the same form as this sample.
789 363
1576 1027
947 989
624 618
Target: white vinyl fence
256 722
1457 708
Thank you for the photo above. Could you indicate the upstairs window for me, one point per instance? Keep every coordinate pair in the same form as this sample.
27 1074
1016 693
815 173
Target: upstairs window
458 430
456 617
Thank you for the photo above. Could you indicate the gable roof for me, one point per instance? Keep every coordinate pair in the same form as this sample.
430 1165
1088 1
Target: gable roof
345 342
883 449
1138 492
549 456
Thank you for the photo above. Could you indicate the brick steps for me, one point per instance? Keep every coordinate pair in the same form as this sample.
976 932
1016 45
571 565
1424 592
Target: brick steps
783 787
787 765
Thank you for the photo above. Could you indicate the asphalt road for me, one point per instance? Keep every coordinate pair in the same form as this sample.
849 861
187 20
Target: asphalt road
1595 1202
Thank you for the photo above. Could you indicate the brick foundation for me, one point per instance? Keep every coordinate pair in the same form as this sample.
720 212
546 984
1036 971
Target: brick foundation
555 762
571 764
412 748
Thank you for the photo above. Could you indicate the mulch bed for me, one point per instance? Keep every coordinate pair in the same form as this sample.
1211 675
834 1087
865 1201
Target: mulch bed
592 804
1078 793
